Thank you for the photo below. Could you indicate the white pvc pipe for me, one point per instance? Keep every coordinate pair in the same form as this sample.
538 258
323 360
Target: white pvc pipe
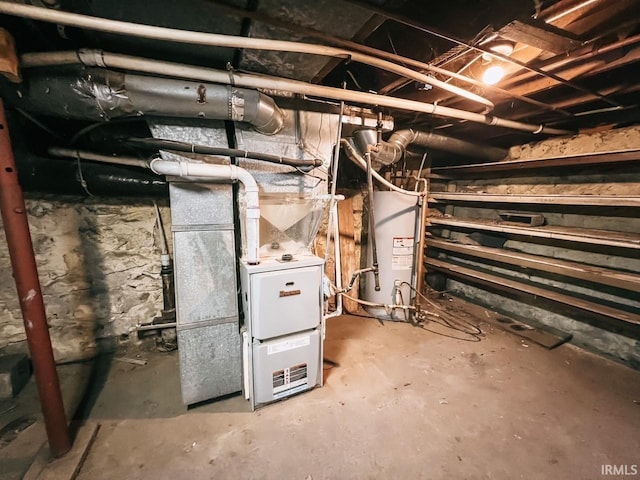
337 260
218 40
386 306
228 173
358 160
125 62
200 171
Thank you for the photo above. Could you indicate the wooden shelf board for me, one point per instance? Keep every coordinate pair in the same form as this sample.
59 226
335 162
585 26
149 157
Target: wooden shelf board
512 285
620 156
582 200
591 273
582 235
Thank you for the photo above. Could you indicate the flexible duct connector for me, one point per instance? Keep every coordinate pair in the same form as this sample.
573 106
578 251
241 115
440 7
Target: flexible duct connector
100 94
389 152
227 173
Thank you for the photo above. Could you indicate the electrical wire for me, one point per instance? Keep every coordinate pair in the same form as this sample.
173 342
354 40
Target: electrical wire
357 84
452 323
474 339
455 337
424 158
320 179
39 124
83 131
83 182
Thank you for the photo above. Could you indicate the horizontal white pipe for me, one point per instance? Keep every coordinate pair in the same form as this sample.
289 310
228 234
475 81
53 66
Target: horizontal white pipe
373 304
226 173
200 171
218 40
50 59
358 160
96 157
125 62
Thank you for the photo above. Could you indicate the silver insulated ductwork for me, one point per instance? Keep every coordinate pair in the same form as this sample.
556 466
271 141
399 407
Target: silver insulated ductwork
100 94
386 153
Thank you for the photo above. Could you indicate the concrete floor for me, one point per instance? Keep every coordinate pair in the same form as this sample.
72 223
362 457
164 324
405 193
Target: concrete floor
18 449
398 402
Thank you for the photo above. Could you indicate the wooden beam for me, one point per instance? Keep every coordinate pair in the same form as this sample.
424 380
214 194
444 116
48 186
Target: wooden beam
539 34
580 235
534 291
558 63
583 200
617 90
575 161
348 252
590 273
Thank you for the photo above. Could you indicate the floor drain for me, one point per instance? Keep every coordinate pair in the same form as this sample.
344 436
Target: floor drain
504 320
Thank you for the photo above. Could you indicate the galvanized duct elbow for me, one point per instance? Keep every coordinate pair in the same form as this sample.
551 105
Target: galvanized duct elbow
389 152
100 94
259 110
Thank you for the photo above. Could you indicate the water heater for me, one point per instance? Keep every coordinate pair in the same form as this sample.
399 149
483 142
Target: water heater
395 228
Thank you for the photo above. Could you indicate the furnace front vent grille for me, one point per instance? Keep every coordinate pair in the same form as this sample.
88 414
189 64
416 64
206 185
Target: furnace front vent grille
289 380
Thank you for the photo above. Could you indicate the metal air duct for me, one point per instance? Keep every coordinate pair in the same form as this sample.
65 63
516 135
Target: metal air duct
386 153
100 94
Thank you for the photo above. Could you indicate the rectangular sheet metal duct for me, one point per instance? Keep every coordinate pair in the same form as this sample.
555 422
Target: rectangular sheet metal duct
205 271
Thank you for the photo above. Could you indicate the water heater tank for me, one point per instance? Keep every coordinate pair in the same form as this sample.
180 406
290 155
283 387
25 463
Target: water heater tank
395 216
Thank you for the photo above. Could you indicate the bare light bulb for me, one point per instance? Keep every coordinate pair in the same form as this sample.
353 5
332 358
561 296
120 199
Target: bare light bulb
493 75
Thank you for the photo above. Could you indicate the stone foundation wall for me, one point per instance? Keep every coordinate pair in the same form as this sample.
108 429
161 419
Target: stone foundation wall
99 264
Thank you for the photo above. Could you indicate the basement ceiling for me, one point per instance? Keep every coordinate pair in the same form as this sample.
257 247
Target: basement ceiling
573 66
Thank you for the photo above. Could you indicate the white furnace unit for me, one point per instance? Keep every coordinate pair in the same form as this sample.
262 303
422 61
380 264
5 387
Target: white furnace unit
282 301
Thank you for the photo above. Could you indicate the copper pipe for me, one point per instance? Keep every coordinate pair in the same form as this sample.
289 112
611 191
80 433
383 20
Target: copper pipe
422 247
25 274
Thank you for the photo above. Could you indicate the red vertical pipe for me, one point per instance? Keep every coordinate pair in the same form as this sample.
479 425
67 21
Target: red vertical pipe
25 273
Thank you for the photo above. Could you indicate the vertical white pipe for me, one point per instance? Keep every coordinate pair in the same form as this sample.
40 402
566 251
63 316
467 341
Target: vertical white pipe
337 261
252 220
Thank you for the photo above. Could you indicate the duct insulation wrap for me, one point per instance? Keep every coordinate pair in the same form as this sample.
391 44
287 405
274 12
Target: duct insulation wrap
395 227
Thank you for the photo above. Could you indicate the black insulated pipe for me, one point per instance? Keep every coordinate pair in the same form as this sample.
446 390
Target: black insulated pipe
372 223
69 177
185 147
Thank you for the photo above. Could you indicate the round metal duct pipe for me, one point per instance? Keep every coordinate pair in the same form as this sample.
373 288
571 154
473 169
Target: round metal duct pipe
392 150
100 94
